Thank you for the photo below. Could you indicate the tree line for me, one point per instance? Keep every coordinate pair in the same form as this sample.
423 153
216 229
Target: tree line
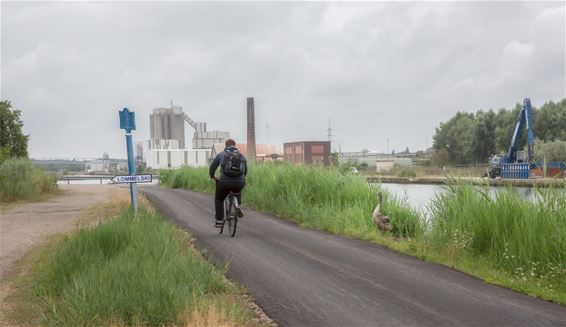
469 138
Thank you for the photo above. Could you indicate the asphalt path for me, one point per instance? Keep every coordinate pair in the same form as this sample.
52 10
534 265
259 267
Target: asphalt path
302 277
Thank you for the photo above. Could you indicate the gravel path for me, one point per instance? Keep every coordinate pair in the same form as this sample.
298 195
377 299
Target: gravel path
25 225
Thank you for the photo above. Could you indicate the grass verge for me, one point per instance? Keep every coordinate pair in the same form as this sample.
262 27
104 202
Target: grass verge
126 270
506 239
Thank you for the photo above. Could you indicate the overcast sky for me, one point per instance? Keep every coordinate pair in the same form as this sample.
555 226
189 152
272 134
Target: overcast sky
378 70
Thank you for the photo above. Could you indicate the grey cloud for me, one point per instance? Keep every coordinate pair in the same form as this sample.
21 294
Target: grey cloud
380 70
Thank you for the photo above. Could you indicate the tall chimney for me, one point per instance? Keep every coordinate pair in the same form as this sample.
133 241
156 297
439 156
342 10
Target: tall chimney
251 130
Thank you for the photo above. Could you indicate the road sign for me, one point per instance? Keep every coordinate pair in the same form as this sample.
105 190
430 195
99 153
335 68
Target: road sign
127 120
132 179
128 123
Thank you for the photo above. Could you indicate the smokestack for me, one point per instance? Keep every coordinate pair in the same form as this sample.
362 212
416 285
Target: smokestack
251 129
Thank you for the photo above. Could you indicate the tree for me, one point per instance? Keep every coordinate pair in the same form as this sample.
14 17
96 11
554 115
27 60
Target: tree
550 121
440 157
455 136
13 142
505 127
552 151
483 136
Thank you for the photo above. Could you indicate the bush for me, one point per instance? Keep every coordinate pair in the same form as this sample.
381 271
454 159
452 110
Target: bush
400 171
20 179
404 171
551 151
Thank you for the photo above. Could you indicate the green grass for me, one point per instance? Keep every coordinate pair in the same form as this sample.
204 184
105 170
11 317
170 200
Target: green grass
21 180
130 270
526 238
505 239
327 199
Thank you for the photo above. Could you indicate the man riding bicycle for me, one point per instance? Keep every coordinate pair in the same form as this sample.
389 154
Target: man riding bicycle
233 170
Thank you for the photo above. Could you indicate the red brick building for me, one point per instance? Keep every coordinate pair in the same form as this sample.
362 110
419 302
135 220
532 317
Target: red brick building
310 152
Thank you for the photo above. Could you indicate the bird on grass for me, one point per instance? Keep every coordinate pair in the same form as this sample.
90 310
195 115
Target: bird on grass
381 220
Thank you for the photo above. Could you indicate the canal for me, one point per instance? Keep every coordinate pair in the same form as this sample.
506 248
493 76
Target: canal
420 195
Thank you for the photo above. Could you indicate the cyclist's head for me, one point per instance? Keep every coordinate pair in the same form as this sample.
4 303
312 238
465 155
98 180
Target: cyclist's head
230 142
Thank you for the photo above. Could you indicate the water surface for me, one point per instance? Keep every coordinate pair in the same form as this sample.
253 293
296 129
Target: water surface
420 195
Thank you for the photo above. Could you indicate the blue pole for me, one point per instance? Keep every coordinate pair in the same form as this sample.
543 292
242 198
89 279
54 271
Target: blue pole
128 123
132 171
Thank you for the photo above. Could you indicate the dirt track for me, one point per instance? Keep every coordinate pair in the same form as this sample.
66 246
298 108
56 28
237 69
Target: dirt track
25 225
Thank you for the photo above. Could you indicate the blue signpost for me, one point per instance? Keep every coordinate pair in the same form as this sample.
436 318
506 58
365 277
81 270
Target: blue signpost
128 123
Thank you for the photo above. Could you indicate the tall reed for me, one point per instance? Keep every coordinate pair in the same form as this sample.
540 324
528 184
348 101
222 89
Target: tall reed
20 179
526 237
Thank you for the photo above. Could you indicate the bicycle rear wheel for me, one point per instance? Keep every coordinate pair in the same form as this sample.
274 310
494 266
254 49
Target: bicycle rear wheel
232 219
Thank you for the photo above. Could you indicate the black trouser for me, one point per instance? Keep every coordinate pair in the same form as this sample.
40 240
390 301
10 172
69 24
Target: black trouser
223 188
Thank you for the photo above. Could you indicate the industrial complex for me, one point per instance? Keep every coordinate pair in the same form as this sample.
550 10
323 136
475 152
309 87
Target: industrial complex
166 147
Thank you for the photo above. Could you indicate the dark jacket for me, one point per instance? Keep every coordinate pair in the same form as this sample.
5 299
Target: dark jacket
219 161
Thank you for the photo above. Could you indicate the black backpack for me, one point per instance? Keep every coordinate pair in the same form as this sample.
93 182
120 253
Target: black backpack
233 164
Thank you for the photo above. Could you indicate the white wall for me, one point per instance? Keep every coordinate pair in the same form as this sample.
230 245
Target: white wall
383 165
175 158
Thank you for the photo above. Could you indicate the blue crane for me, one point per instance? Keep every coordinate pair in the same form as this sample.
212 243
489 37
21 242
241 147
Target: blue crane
525 119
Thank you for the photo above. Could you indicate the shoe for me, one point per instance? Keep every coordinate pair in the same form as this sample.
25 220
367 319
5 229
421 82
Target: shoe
239 212
219 223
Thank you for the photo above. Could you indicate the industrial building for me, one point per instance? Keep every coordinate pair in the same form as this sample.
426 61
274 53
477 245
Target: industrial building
251 128
106 165
168 124
205 140
166 146
308 152
388 163
175 158
378 160
358 158
264 152
142 147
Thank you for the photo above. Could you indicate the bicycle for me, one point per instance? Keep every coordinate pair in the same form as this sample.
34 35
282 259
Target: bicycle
231 216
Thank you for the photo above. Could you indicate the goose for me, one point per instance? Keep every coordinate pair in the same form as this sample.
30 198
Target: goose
380 220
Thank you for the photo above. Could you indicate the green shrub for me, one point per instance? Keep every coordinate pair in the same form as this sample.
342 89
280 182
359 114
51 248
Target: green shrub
400 171
550 151
404 171
20 179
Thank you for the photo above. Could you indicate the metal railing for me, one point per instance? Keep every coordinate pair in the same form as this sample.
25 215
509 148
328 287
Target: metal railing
100 178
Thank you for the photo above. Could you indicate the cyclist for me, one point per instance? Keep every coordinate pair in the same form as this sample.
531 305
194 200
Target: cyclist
233 171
